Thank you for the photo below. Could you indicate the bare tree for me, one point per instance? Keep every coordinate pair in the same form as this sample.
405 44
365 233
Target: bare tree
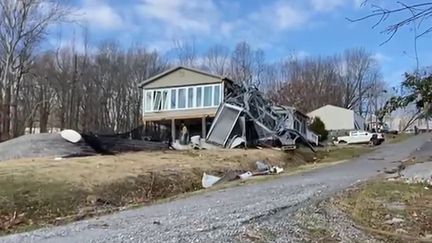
359 72
247 64
216 59
408 12
23 24
241 63
342 80
186 52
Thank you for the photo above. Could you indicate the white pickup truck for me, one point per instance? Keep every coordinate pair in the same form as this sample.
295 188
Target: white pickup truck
359 137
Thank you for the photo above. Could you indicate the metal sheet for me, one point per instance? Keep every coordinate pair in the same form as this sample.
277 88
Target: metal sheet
224 122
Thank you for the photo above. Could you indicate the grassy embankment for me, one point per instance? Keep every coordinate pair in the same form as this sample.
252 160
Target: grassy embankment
42 191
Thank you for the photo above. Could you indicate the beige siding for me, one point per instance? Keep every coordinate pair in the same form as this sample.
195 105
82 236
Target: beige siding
182 77
180 114
335 118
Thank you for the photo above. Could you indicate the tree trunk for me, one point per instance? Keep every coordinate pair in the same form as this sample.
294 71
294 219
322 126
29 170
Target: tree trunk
14 107
43 111
6 114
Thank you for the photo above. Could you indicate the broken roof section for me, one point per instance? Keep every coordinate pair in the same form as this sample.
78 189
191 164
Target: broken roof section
247 114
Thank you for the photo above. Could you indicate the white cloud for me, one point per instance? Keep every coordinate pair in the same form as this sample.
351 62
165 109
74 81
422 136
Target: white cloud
98 14
326 5
380 57
279 16
288 17
359 3
186 15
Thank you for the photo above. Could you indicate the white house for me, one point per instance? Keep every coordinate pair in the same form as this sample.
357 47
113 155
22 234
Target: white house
337 118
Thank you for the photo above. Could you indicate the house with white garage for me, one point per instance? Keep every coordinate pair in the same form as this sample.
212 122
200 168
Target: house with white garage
338 119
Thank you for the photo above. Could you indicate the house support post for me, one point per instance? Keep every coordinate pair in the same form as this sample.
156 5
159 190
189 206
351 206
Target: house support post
204 127
173 130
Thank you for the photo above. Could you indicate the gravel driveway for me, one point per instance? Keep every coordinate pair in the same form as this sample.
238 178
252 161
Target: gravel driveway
224 215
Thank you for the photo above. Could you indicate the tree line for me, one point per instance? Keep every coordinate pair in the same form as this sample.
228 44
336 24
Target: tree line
96 89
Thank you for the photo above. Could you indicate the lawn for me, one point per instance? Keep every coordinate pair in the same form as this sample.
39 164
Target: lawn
397 138
392 211
44 191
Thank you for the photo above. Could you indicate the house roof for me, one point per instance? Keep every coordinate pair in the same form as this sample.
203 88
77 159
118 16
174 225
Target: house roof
169 71
330 106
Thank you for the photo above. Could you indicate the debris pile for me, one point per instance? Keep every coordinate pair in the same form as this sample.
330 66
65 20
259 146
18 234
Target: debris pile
247 118
70 143
262 168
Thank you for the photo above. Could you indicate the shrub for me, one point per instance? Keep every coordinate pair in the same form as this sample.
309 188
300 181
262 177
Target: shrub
318 127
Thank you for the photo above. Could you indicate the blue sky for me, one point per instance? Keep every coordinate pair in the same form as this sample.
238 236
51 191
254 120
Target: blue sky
280 28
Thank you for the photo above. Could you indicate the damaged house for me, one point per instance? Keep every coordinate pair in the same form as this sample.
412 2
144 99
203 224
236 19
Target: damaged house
182 97
224 112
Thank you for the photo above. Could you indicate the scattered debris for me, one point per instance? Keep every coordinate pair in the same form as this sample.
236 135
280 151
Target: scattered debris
71 135
209 180
248 118
42 145
276 170
238 142
246 175
70 143
196 142
7 222
262 166
394 221
262 169
112 144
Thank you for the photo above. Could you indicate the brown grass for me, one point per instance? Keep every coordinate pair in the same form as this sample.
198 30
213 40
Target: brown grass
397 138
369 207
35 192
87 172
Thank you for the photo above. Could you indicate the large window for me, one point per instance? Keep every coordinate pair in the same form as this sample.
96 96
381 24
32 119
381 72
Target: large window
180 98
173 99
148 101
208 96
198 97
216 95
190 98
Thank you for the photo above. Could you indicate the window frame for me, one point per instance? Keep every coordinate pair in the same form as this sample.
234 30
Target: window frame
175 107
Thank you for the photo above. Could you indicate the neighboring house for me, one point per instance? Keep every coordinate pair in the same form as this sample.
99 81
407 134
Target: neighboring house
338 119
180 96
301 123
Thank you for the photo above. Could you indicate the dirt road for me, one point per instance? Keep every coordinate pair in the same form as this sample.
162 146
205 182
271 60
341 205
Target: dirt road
223 216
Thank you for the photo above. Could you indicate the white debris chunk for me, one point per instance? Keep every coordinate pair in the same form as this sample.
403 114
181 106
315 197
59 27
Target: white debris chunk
246 175
70 135
209 180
